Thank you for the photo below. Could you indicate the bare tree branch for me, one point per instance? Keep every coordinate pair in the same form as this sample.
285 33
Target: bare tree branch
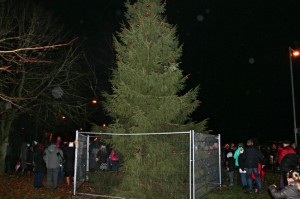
37 48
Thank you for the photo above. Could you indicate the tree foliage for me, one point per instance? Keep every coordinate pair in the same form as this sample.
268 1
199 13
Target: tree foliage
149 95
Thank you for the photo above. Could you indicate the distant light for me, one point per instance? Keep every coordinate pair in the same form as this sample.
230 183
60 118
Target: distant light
94 101
103 125
251 60
63 117
200 18
80 129
295 53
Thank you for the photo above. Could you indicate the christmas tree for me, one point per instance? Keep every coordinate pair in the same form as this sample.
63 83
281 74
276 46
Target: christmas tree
148 95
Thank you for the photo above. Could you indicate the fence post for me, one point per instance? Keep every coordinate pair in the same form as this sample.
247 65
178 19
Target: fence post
193 162
220 160
75 164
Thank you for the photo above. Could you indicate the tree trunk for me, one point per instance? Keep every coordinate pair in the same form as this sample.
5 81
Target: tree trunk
5 126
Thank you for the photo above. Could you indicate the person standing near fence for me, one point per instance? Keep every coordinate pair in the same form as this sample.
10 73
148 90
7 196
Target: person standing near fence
102 158
114 160
230 167
69 164
53 159
252 157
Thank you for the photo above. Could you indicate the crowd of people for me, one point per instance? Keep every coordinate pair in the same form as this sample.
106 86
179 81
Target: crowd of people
56 161
102 157
250 161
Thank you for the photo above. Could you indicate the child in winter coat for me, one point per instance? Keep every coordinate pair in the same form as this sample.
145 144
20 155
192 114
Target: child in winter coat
230 164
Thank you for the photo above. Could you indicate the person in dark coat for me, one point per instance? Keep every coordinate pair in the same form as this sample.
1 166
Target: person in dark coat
287 160
93 150
102 157
69 156
230 164
242 170
39 166
252 157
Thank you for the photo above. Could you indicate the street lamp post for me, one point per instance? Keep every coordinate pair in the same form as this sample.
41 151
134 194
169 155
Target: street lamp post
293 53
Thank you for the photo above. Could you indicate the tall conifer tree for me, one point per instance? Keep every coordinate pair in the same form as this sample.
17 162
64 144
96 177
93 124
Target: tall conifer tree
148 96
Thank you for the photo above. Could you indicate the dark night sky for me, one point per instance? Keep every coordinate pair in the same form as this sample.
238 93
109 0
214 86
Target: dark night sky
236 50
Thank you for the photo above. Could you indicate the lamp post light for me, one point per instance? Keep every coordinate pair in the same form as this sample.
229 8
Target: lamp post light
293 53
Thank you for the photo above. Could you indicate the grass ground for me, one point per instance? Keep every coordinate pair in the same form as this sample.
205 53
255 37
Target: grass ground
21 187
232 192
111 179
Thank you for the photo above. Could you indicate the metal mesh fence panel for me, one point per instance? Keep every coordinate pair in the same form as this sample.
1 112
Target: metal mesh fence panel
166 166
206 163
81 157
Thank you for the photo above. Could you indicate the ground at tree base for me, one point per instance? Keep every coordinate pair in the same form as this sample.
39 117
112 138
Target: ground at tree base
21 187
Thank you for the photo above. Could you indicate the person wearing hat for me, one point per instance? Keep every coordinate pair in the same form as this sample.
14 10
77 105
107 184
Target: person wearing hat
287 160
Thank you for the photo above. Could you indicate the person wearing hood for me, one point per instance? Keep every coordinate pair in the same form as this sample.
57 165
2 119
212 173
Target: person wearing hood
53 157
114 160
241 172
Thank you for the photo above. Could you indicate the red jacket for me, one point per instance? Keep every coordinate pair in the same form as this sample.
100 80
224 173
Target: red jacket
285 150
261 173
113 156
